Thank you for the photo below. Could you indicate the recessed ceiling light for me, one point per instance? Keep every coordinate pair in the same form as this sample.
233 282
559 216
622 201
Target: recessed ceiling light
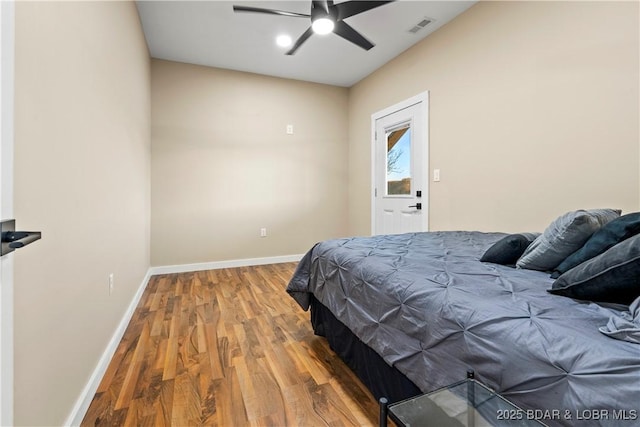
283 40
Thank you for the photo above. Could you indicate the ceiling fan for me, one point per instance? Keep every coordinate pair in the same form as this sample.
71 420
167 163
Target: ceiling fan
326 17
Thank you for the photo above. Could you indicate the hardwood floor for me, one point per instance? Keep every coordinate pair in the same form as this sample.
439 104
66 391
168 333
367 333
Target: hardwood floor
226 347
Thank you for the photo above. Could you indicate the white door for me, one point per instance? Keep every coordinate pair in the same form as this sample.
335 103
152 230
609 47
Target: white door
6 209
400 169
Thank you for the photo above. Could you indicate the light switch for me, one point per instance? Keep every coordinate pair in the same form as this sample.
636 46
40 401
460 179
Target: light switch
436 175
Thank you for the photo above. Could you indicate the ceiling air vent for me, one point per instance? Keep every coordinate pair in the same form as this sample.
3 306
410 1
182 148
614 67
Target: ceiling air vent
420 25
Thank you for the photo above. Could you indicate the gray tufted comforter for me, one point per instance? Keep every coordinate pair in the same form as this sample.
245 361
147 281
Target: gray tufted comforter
430 308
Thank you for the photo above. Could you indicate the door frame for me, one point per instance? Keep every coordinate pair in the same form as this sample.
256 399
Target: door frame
7 64
421 99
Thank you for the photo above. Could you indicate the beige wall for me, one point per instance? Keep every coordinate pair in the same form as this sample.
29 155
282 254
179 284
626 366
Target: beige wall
533 111
223 166
82 125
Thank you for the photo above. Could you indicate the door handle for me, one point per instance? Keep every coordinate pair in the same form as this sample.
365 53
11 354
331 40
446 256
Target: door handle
12 240
417 206
18 239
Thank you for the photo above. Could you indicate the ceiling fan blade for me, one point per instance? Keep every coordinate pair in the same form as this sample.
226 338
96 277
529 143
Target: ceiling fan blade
350 8
345 31
269 11
303 38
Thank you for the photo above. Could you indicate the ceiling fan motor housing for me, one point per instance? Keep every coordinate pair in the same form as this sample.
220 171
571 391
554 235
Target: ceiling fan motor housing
318 12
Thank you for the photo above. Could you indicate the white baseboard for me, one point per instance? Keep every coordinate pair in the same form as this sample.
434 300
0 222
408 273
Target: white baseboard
183 268
84 400
82 404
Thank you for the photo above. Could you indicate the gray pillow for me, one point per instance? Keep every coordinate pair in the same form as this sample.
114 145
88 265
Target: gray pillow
612 276
507 250
606 237
565 235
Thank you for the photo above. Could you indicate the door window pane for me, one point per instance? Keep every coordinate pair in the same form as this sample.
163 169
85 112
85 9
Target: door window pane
399 162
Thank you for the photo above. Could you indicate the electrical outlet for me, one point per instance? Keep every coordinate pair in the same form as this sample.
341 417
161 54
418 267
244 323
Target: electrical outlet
263 232
110 283
289 129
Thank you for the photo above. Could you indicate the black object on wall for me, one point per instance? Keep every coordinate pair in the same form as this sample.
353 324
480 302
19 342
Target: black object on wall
12 239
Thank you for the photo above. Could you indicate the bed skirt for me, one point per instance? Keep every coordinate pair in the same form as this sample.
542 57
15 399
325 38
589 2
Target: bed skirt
380 378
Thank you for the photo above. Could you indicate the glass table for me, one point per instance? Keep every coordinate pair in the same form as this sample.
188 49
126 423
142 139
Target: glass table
466 403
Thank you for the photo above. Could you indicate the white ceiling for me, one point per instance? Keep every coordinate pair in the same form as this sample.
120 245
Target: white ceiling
210 33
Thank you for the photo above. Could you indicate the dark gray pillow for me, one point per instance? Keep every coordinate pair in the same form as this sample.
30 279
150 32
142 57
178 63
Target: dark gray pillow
507 250
613 276
609 235
565 235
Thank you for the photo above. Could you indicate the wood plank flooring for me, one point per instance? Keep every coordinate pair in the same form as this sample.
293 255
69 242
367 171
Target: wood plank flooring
226 347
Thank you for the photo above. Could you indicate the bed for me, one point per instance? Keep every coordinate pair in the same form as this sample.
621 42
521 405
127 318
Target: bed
413 312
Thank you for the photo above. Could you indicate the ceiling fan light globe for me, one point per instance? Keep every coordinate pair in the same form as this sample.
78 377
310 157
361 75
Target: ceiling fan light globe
323 26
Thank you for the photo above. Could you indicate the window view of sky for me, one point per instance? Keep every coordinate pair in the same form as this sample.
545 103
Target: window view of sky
402 151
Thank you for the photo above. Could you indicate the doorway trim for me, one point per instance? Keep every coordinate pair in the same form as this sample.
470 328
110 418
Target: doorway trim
7 64
423 100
